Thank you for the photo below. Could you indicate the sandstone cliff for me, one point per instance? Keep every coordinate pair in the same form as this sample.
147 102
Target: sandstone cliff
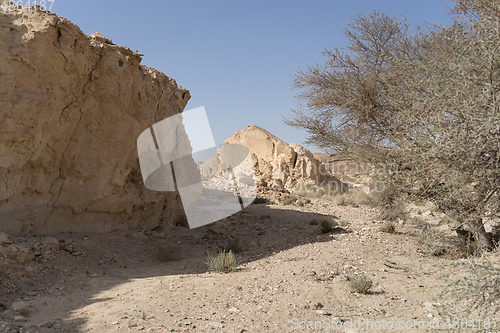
279 164
71 109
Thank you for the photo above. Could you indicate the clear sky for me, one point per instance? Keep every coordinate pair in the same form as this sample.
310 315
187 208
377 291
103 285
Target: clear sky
237 58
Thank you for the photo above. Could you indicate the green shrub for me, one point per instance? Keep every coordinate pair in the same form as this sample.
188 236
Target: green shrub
360 284
224 262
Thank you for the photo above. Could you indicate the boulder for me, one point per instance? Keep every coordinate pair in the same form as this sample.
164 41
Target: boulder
71 110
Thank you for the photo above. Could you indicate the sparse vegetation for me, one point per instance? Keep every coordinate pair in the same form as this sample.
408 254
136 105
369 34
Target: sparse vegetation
314 222
224 262
360 284
478 289
332 191
434 243
326 225
344 223
260 201
388 227
288 200
405 114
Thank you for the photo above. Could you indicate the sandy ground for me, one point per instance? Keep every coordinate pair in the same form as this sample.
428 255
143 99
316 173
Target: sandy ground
290 278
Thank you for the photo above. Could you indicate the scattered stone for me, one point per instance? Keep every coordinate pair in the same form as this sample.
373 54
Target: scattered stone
19 318
45 324
50 243
4 238
21 307
323 312
98 37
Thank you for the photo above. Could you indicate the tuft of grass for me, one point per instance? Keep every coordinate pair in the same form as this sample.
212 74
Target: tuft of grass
224 262
289 200
233 245
388 227
344 223
360 284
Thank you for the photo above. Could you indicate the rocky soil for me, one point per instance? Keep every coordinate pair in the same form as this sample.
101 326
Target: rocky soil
289 275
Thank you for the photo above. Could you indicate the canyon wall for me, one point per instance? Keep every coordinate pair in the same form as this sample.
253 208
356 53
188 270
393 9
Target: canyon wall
71 109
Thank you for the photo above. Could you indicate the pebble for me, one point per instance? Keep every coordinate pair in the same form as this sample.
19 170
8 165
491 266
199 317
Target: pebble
4 238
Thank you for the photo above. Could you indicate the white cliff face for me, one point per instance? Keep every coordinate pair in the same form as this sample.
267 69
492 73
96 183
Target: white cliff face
71 109
279 164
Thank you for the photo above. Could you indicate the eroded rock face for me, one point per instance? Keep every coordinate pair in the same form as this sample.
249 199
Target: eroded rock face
279 164
71 109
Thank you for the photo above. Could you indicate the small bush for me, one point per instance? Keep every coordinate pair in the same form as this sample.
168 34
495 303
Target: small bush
360 284
260 201
326 225
224 262
321 192
344 223
167 252
352 198
231 245
302 202
388 227
434 243
289 200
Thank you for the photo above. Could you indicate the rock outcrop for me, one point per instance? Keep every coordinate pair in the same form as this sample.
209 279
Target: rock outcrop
279 164
71 109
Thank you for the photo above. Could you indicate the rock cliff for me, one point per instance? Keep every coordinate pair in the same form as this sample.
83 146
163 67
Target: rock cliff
71 109
279 164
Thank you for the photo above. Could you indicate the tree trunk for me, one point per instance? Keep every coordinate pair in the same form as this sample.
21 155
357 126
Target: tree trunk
484 242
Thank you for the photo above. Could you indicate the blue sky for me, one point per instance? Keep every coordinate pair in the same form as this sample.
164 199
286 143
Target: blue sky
237 58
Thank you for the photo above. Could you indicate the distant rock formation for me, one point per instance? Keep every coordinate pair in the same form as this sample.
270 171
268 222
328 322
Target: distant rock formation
71 109
279 164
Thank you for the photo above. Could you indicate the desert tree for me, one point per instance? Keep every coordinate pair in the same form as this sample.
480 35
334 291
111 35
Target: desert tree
425 103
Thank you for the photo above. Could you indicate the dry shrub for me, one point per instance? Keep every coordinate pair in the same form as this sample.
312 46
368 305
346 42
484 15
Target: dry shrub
360 284
288 200
388 227
224 262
